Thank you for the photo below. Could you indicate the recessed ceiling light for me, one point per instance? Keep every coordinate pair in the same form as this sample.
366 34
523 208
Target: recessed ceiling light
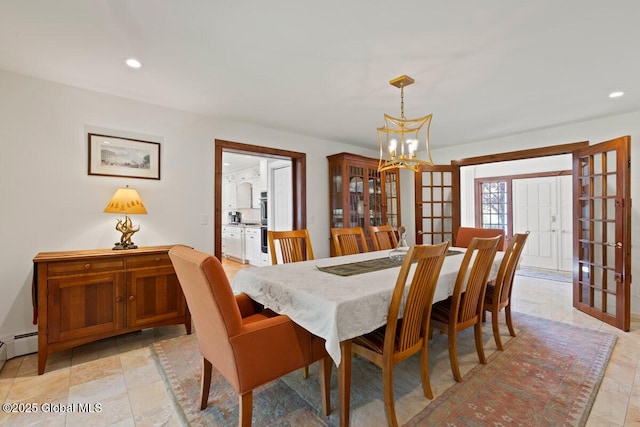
133 63
616 94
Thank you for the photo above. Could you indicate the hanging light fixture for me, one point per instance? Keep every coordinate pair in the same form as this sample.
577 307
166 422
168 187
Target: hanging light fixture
400 137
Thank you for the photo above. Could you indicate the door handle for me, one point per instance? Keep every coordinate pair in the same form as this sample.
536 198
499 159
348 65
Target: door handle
617 245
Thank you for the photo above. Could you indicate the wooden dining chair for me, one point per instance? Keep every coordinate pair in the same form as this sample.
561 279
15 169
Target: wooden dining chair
405 332
465 234
383 237
349 241
248 345
498 294
291 245
464 308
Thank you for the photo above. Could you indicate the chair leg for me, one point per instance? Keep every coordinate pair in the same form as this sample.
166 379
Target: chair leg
424 372
496 328
453 356
205 384
507 312
305 372
477 331
387 391
325 384
246 409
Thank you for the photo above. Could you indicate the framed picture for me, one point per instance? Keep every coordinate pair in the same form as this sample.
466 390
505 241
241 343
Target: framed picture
131 158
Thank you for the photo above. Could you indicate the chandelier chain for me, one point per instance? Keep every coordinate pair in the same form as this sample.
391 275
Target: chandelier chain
402 102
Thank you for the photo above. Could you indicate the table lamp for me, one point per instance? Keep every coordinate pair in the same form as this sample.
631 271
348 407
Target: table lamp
126 201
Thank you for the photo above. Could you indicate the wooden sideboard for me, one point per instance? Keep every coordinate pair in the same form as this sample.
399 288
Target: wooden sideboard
84 296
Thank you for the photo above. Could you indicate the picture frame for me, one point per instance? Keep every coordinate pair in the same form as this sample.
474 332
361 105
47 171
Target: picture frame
124 157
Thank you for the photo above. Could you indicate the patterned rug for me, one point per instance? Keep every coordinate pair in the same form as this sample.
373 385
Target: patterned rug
548 375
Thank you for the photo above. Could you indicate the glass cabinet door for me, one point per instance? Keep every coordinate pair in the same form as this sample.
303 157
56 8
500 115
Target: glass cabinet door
375 198
356 196
391 198
337 208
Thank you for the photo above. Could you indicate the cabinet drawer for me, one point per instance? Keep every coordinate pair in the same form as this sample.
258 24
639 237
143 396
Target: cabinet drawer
146 261
68 268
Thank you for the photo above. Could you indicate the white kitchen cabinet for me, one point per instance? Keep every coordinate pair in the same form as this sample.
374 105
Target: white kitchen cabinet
263 175
229 193
233 238
255 193
243 195
253 247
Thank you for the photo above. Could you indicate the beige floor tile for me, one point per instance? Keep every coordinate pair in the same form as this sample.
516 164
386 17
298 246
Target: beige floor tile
94 369
148 397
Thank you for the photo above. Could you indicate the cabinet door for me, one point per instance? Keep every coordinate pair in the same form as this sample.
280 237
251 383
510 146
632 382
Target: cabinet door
153 296
229 196
82 306
253 246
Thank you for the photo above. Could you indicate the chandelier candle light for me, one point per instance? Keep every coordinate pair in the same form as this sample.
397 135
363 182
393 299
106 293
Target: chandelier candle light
126 201
400 137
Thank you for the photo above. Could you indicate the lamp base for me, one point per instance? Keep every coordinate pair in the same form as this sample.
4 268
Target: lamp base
124 246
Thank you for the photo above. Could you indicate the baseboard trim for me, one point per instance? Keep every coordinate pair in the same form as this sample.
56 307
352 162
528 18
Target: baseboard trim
3 354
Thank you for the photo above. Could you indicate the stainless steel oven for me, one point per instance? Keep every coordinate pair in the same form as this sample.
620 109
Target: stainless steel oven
263 208
263 239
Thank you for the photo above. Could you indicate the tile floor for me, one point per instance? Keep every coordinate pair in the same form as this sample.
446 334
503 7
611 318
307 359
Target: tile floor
120 375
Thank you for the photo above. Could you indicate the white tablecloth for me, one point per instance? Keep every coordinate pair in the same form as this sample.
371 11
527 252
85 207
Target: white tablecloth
334 307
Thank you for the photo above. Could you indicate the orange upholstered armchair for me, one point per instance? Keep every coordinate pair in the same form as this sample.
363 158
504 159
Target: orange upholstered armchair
465 234
248 345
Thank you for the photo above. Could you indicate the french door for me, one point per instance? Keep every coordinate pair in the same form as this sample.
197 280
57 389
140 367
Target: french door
602 231
437 204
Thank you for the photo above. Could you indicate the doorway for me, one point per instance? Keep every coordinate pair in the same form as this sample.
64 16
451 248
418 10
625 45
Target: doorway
298 182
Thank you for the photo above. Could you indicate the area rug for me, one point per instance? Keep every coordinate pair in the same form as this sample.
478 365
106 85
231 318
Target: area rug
548 375
539 273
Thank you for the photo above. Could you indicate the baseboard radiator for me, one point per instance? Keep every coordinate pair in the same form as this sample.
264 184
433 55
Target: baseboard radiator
18 345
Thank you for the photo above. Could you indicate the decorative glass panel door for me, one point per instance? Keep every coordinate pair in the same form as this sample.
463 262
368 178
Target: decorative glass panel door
437 204
602 231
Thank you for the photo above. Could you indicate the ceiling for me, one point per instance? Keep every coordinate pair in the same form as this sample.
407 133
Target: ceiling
484 69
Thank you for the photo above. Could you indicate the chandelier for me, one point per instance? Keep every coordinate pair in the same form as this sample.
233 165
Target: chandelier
400 137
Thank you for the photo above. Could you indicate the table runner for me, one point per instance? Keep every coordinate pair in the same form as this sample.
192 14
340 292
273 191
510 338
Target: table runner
368 266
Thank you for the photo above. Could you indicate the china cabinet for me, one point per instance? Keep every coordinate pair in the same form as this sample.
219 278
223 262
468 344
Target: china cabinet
360 196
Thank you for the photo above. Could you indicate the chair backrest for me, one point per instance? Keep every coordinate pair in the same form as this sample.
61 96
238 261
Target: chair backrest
504 280
348 241
472 278
291 244
465 234
212 304
383 237
417 309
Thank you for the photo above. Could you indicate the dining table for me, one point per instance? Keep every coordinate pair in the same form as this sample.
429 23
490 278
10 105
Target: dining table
340 298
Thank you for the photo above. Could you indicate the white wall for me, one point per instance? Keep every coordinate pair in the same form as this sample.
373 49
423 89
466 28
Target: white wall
50 203
594 131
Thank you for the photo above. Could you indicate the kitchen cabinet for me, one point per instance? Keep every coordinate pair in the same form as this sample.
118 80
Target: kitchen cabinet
253 246
263 175
233 238
255 193
229 193
88 295
243 195
360 196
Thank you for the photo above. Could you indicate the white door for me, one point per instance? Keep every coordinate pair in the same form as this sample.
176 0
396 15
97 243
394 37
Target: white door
565 202
543 206
281 199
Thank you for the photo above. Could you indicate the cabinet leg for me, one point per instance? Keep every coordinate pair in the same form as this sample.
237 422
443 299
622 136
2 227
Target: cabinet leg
42 362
